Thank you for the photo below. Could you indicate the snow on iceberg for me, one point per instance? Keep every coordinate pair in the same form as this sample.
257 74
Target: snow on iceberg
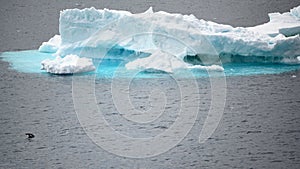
178 36
68 65
286 24
295 12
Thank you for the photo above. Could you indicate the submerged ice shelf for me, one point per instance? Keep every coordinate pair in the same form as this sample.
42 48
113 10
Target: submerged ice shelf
29 62
169 43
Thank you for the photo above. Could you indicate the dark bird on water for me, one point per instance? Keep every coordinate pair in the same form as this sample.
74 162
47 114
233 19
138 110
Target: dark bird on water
29 135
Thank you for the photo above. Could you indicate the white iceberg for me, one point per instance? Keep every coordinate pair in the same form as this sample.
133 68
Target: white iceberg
178 35
68 65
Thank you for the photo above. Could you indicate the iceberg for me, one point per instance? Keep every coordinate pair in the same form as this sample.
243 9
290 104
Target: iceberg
172 38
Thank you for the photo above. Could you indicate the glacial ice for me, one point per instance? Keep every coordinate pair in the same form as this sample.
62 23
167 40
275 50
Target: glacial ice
172 37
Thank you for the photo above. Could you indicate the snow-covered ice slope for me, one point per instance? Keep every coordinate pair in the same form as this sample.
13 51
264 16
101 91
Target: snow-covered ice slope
286 24
51 46
178 35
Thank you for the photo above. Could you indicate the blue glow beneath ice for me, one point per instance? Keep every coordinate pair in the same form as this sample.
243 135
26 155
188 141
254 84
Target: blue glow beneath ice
29 62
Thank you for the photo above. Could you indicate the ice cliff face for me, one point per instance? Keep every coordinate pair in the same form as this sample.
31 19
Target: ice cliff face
176 34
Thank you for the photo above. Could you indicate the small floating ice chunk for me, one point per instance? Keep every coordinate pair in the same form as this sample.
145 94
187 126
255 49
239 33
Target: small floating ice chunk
68 65
211 67
52 45
293 76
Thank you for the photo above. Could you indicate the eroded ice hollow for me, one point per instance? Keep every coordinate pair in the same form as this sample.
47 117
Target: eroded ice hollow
169 41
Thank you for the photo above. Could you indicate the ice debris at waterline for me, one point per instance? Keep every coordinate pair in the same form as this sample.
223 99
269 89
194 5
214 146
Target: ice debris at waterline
68 65
162 61
177 41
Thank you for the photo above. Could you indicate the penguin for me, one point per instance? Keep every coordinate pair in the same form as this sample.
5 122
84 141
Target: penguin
29 135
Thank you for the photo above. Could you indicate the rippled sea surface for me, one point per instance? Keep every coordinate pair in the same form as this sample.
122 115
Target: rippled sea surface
260 127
